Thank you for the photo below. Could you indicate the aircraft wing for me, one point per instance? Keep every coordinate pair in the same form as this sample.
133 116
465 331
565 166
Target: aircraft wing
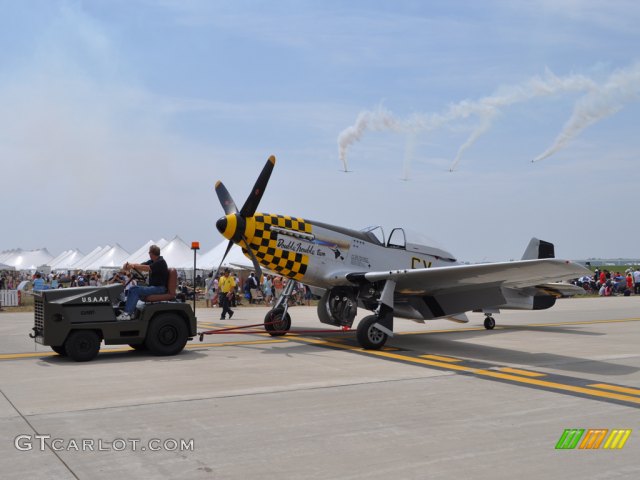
433 281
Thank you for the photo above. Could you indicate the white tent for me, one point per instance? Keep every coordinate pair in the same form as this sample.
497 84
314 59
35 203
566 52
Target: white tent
90 257
113 257
57 259
29 259
6 267
142 254
67 261
65 258
7 254
178 254
211 259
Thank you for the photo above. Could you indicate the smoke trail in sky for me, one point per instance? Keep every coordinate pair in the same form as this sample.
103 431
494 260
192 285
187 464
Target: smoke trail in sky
485 125
377 120
408 155
486 109
622 86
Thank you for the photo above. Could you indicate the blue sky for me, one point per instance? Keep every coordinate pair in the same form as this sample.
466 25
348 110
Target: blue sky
119 116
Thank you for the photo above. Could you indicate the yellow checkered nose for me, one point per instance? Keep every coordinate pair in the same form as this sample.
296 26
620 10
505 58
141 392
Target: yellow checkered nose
231 226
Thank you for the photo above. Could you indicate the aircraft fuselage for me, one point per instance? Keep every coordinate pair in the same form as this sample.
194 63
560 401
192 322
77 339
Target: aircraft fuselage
319 254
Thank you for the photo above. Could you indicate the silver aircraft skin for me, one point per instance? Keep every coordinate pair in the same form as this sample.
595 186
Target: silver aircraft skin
392 278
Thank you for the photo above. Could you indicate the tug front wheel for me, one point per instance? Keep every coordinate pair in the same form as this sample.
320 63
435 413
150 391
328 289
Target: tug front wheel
369 337
82 345
276 324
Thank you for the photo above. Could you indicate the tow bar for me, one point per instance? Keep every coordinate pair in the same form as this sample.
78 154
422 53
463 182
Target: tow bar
243 330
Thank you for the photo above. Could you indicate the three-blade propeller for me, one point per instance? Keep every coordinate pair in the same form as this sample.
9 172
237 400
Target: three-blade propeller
248 210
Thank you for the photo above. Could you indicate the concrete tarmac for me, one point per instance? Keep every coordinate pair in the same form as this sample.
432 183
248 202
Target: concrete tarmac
443 401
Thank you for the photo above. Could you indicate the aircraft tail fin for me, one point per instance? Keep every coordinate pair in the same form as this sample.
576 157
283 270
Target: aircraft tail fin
539 249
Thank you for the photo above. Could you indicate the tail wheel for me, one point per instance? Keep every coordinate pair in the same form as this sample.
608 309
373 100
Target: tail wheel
369 337
277 324
82 345
167 334
489 323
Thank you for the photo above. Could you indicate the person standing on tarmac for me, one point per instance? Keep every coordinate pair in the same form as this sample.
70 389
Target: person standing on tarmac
227 286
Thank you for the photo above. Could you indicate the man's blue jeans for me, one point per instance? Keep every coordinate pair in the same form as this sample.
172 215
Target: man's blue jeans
136 293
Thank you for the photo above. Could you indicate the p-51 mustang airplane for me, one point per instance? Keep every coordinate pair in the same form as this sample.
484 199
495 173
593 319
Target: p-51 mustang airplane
393 279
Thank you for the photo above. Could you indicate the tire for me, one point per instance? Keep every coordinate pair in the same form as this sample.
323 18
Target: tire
167 334
82 345
138 346
369 337
489 323
60 350
275 324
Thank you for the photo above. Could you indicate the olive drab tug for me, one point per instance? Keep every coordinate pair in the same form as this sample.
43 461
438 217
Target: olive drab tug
392 278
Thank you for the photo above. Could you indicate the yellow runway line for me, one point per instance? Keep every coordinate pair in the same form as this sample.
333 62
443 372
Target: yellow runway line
614 388
441 358
525 373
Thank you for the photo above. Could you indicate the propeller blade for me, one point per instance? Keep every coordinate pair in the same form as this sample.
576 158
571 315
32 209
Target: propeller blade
229 245
225 199
251 204
256 264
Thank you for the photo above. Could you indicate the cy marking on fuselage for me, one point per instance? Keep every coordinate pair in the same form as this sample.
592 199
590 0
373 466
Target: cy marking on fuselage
419 263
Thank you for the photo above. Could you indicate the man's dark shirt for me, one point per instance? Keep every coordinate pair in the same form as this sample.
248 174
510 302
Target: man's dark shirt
159 275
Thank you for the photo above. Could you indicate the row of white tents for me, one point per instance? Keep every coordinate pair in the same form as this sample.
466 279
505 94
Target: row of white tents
176 252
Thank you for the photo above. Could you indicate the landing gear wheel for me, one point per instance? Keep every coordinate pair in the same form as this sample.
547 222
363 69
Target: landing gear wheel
369 337
82 345
276 324
167 335
489 323
60 350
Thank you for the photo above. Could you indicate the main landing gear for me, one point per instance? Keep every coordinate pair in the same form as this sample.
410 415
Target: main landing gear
373 330
368 335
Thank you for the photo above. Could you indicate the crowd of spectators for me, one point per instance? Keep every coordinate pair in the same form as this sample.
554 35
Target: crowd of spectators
252 291
247 289
606 283
10 280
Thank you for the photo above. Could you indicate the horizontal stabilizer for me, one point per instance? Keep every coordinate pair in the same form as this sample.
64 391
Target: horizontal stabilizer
539 249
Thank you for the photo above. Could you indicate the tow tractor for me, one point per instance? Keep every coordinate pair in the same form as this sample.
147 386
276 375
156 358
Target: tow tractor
74 321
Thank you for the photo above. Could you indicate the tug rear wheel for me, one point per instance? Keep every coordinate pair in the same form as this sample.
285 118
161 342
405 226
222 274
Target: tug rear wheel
167 335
